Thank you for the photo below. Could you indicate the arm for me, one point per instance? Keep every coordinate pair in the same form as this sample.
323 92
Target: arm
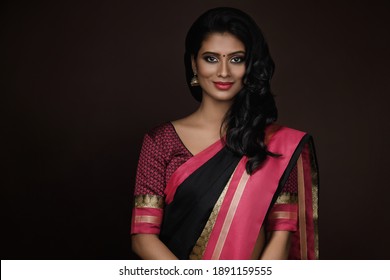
278 246
149 200
282 221
150 247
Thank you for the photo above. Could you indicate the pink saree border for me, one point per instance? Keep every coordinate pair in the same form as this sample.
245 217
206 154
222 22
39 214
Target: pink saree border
242 230
222 226
187 168
303 245
146 220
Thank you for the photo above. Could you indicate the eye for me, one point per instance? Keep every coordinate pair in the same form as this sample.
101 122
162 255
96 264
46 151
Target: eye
237 59
211 59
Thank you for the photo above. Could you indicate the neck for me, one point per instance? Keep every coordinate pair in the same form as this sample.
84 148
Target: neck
212 112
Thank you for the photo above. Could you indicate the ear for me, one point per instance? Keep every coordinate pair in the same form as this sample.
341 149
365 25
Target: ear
193 64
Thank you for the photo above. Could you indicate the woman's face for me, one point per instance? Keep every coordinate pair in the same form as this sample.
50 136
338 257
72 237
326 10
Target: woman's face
220 66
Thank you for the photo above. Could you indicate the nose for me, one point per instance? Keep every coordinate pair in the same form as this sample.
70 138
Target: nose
223 69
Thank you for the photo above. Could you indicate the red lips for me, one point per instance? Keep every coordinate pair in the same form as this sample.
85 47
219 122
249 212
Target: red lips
223 85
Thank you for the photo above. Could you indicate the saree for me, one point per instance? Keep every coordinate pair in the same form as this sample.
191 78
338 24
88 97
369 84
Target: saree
213 209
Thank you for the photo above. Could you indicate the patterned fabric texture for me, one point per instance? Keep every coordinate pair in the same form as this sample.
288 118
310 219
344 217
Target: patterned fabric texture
161 154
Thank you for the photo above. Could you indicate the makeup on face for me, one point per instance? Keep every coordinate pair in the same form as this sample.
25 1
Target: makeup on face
220 66
223 85
235 57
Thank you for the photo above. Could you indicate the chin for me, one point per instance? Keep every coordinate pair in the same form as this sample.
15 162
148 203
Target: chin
223 98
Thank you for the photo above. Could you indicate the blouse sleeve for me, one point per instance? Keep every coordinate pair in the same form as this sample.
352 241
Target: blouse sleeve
284 213
149 188
296 208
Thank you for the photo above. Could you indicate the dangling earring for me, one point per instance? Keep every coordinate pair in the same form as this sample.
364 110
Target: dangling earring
194 80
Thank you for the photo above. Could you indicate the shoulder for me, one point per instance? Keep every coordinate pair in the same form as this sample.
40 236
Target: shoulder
161 131
282 133
163 138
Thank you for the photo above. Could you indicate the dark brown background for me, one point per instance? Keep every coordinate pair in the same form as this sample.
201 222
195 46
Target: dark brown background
81 83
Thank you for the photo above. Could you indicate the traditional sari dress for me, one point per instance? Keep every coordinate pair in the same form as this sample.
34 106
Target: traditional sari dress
207 206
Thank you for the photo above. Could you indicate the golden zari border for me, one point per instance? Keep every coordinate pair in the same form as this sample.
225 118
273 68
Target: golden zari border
230 215
302 209
284 215
200 246
149 201
147 219
314 183
287 198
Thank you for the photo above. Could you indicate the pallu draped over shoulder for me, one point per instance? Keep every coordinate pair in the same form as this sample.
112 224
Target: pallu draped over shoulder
206 206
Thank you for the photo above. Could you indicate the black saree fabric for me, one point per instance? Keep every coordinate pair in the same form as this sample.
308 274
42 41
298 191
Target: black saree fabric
186 216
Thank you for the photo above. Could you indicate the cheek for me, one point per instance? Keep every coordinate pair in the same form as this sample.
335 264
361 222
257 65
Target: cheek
205 70
239 72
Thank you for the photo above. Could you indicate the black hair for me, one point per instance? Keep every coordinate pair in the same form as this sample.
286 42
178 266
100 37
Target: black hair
254 107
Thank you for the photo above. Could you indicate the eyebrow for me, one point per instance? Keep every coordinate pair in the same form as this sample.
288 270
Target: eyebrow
230 54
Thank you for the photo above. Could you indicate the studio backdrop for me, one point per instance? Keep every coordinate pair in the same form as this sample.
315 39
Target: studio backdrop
81 83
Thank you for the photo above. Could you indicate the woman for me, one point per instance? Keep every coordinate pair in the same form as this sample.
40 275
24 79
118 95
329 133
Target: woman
225 182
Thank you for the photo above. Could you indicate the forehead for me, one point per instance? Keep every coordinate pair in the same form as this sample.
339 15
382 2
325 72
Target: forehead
221 43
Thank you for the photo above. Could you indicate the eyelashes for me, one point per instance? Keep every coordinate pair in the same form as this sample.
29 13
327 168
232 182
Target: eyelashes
234 59
237 59
211 59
